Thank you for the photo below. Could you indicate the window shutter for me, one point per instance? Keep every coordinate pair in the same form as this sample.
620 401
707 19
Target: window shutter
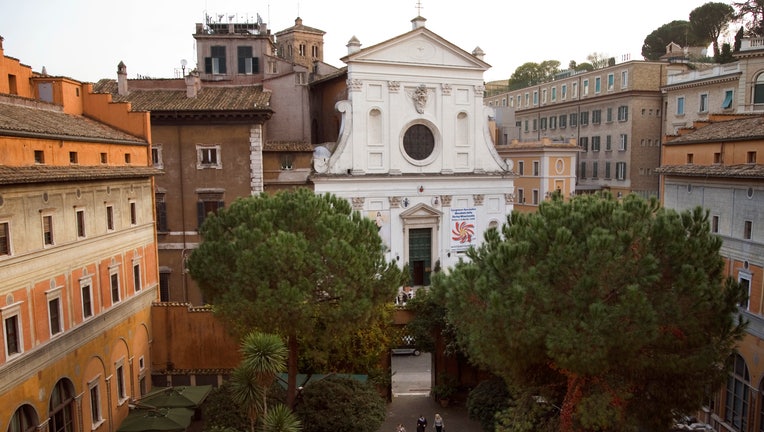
162 216
200 213
255 65
208 65
242 65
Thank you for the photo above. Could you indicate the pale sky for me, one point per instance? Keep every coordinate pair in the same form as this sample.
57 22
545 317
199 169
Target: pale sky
86 39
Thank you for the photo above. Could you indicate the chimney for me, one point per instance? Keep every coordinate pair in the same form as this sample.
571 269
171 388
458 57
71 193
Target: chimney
417 22
354 45
193 84
1 44
199 28
122 79
477 52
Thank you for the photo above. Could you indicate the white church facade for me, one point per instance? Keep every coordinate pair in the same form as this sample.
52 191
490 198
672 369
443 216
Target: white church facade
414 150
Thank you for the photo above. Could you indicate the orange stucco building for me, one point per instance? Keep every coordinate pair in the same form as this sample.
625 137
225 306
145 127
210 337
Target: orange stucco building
78 253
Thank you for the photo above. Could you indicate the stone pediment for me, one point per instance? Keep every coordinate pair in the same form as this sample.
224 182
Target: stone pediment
421 211
419 47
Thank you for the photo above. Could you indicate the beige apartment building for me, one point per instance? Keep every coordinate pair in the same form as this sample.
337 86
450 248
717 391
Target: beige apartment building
613 113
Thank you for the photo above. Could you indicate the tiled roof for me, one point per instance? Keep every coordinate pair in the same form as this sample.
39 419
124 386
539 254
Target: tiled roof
717 170
24 120
214 98
47 173
730 130
287 146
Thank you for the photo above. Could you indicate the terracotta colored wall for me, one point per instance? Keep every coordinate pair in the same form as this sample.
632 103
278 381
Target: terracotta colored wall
187 338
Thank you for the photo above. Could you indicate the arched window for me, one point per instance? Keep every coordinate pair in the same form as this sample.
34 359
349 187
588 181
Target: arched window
23 420
738 396
418 142
62 407
758 90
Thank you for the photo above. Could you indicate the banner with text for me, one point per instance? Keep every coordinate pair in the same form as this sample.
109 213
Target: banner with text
463 228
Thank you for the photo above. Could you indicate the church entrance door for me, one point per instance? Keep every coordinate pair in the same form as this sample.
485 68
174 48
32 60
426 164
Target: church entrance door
420 260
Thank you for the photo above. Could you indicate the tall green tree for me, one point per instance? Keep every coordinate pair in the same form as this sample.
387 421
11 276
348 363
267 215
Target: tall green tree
616 311
531 73
677 31
751 13
297 264
710 20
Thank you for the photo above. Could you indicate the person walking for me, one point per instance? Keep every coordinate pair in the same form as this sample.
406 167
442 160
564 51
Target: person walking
421 424
438 423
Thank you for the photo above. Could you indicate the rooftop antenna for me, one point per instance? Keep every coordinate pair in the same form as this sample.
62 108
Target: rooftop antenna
419 7
231 17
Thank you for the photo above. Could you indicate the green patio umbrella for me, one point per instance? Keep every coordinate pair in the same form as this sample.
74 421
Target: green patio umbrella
177 397
157 420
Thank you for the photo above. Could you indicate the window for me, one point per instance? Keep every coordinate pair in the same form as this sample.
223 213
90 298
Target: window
747 229
535 97
610 82
582 171
535 196
596 116
563 121
12 331
54 314
246 63
104 158
39 157
419 142
164 286
607 170
727 103
5 239
623 113
535 168
597 85
715 224
554 94
521 167
72 157
736 407
527 99
690 158
595 169
750 157
161 209
525 127
215 63
553 122
680 105
745 282
301 79
12 86
95 403
114 282
301 48
574 90
535 124
609 115
80 219
209 156
624 79
87 299
273 67
521 196
586 87
573 119
583 142
563 91
584 118
608 143
622 142
595 143
110 218
133 213
620 170
703 103
47 230
717 157
120 373
543 96
543 123
137 277
209 202
314 51
127 158
156 157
